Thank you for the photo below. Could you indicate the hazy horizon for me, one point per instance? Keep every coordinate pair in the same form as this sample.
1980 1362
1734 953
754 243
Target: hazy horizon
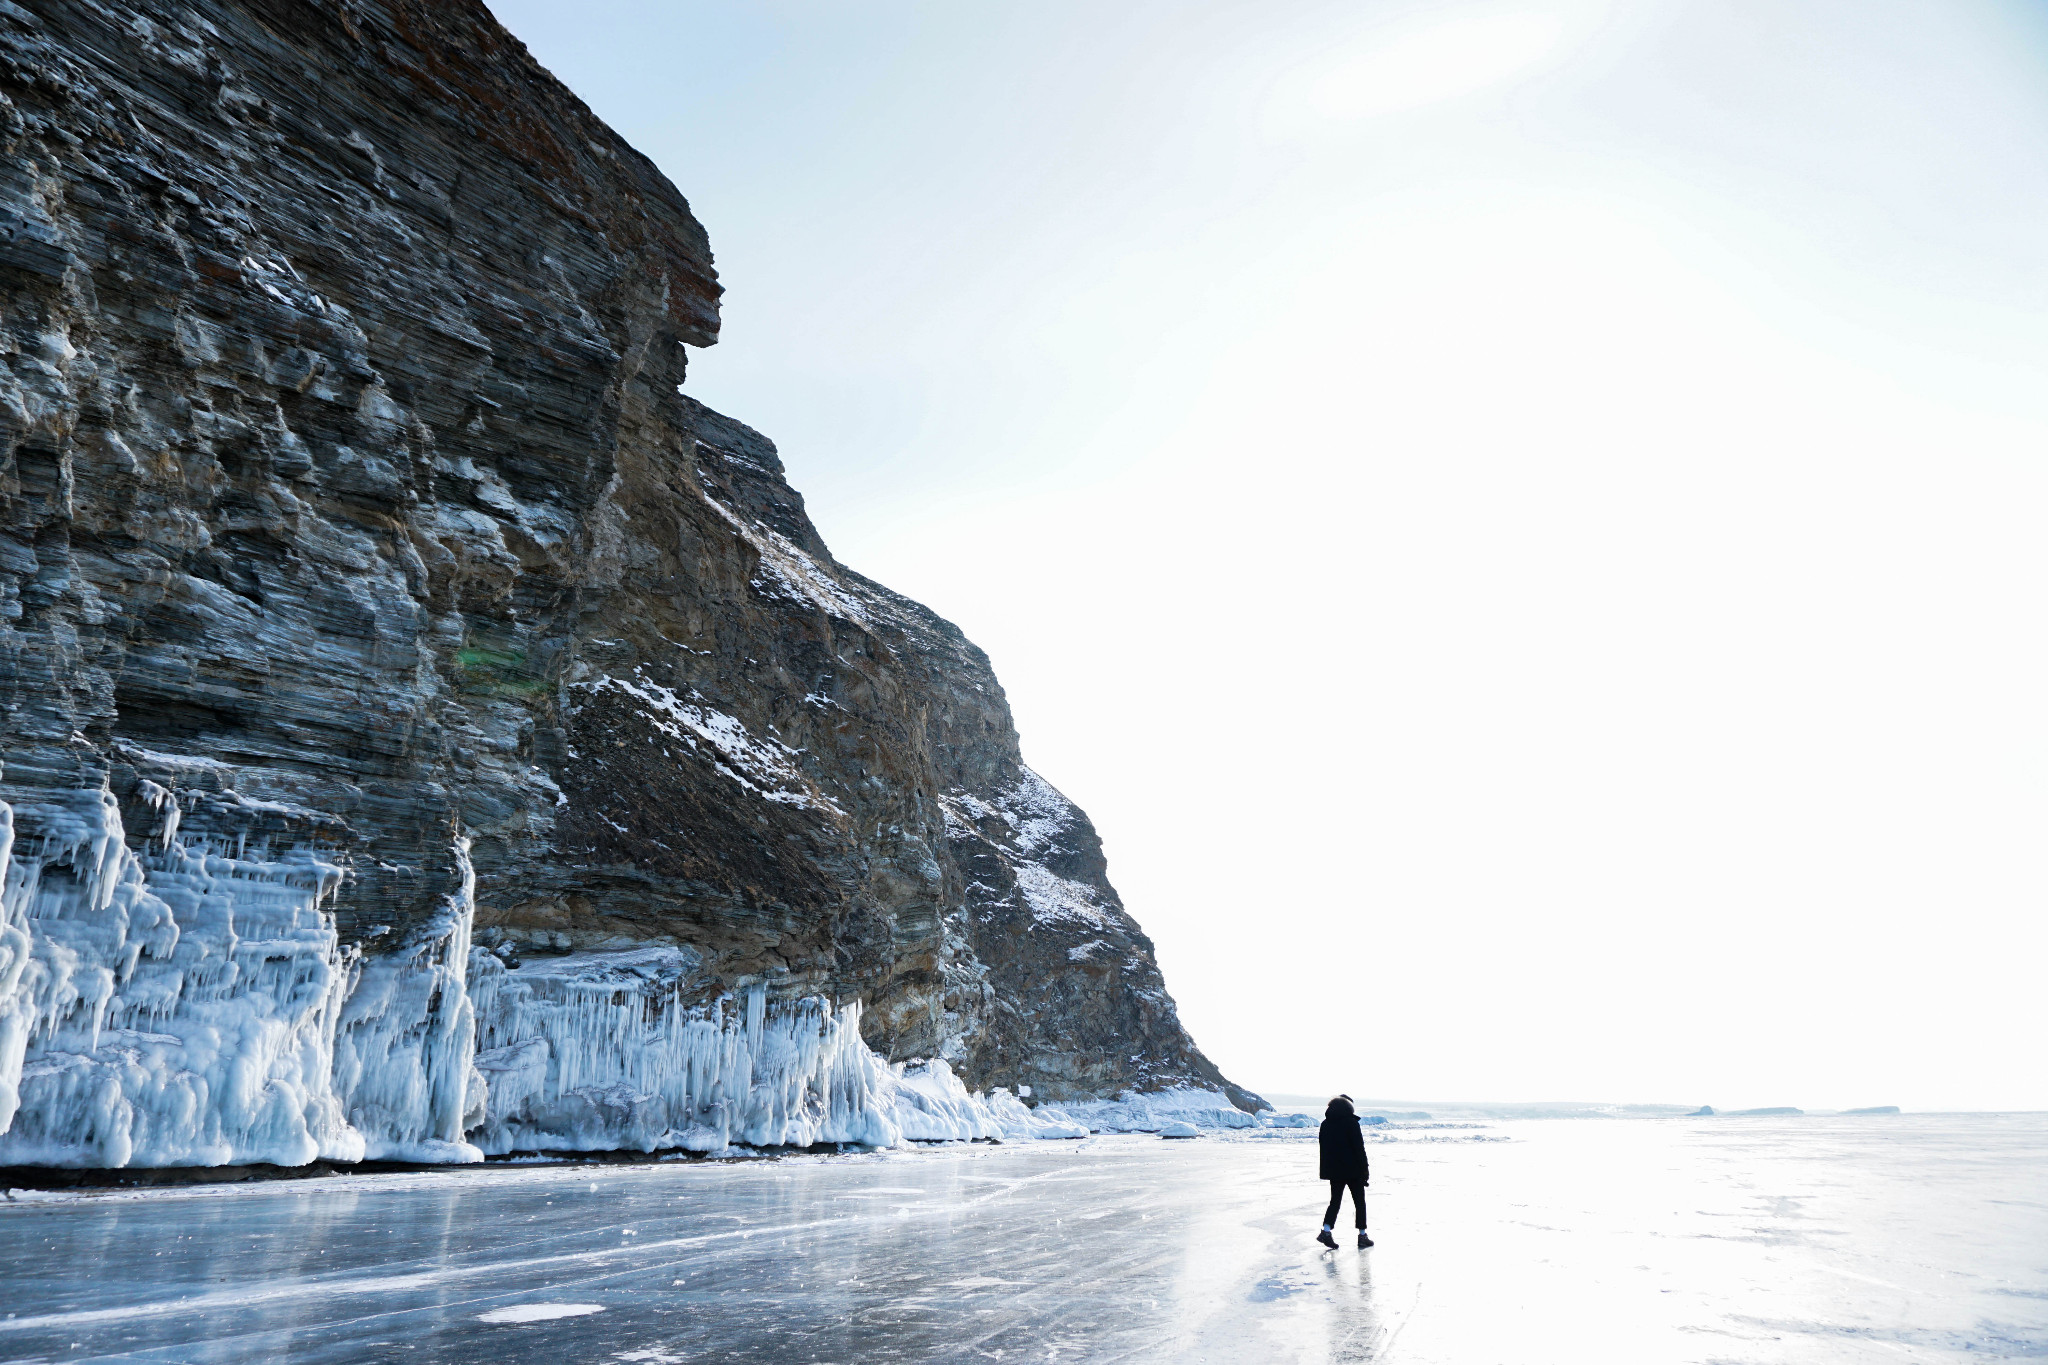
1520 522
1369 1104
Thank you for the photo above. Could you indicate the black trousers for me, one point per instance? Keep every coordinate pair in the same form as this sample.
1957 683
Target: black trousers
1337 1188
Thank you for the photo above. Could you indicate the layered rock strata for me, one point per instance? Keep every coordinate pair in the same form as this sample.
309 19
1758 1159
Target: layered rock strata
425 730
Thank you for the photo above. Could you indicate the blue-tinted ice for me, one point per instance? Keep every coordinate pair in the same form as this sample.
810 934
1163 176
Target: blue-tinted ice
1914 1238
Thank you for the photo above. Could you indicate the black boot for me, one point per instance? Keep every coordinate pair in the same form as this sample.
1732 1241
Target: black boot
1363 1240
1326 1239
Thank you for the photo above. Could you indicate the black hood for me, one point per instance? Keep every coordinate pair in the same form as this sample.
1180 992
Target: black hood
1340 1108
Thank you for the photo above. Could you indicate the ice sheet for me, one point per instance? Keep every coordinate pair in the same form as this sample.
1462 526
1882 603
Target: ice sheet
1616 1242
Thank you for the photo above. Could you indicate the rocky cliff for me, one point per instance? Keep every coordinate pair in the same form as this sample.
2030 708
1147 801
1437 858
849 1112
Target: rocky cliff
424 728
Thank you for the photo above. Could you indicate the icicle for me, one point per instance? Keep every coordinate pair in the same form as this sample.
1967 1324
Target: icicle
403 1062
596 1052
174 1012
15 1016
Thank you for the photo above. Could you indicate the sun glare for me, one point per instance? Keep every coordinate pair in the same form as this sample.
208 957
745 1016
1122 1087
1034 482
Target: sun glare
1431 65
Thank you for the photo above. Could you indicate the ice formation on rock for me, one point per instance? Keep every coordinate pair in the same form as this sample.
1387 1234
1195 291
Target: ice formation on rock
192 1006
596 1051
408 1039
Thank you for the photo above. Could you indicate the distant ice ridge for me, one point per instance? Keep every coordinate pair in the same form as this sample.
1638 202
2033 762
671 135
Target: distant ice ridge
185 1006
1133 1112
189 1005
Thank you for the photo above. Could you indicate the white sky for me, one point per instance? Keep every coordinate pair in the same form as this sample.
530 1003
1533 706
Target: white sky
1522 523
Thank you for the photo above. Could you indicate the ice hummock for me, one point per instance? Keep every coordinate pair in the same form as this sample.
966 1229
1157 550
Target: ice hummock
191 1004
1046 1121
1135 1112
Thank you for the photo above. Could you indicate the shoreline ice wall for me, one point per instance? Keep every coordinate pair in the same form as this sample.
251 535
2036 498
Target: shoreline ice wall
192 1006
599 1052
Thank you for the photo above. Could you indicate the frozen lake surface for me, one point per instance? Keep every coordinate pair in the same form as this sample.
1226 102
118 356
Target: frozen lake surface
1916 1238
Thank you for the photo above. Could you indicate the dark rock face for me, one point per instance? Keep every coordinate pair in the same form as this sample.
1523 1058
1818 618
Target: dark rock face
348 503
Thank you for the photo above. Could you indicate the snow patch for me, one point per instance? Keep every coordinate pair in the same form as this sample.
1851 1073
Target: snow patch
539 1312
186 762
788 572
765 767
1035 815
1055 899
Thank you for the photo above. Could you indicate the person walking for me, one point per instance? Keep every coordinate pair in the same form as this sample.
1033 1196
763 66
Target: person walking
1344 1166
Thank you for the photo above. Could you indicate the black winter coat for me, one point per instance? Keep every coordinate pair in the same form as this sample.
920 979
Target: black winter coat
1343 1146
